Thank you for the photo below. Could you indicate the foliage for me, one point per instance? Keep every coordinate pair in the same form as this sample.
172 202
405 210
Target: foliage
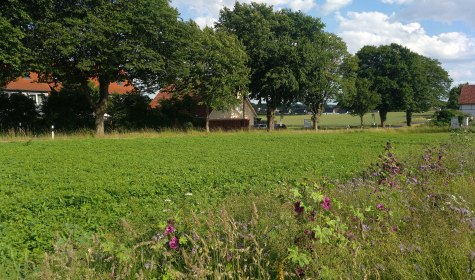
109 41
454 94
444 117
276 43
327 71
403 79
130 112
361 100
69 109
17 113
218 72
178 110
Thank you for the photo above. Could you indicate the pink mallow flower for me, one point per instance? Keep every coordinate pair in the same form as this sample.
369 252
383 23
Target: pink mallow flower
326 203
169 229
173 243
380 206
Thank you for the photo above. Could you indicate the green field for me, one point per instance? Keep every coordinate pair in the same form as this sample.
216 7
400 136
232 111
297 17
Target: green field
343 120
89 185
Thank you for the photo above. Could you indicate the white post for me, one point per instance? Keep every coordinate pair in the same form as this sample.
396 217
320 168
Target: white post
52 132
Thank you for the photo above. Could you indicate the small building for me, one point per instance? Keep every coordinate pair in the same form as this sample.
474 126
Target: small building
29 85
467 99
238 117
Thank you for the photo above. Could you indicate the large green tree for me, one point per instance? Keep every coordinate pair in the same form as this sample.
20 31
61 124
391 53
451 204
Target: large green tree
384 68
109 41
404 80
429 84
218 74
274 41
324 70
361 99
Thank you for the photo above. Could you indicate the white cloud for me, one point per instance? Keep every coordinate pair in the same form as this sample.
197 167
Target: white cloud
397 1
446 11
205 12
455 50
331 6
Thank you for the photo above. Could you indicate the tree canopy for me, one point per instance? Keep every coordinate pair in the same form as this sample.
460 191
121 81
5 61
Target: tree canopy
218 74
403 79
275 42
109 41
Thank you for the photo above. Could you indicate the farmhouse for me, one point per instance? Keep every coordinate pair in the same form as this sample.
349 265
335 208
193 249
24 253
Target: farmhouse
467 99
240 116
29 85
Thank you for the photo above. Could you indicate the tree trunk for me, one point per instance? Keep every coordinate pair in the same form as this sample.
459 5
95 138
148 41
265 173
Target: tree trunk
270 118
409 118
207 120
315 121
383 115
101 106
316 113
361 121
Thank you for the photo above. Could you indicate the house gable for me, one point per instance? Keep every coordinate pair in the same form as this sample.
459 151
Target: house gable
467 99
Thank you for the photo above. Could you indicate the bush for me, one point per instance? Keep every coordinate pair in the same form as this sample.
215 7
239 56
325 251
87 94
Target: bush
17 113
130 112
68 110
444 117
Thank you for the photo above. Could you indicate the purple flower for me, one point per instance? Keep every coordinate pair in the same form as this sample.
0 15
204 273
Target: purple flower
298 208
299 272
380 206
174 243
326 203
169 229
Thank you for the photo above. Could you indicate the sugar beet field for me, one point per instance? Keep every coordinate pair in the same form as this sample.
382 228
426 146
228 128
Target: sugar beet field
87 185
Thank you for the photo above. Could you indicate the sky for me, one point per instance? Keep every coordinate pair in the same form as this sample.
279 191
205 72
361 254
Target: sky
440 29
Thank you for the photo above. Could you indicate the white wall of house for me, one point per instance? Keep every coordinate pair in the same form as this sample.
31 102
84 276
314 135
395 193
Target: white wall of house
38 97
470 109
235 113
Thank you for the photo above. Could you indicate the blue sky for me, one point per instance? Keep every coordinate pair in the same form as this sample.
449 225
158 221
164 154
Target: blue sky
441 29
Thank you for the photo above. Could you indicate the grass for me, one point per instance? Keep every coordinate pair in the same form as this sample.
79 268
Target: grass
89 185
402 219
343 120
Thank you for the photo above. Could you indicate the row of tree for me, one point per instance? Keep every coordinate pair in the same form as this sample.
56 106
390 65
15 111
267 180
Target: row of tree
278 57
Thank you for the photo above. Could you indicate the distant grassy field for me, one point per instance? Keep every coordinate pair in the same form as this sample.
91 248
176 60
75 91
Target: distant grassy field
88 185
343 120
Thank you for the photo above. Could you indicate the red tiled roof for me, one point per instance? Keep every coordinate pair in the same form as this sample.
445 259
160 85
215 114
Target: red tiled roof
467 96
31 84
161 95
28 84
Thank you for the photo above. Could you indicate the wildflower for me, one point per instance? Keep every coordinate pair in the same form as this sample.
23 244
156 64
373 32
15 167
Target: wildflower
365 227
173 243
394 228
310 233
326 203
189 194
298 208
148 265
350 235
169 229
380 206
299 272
312 215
